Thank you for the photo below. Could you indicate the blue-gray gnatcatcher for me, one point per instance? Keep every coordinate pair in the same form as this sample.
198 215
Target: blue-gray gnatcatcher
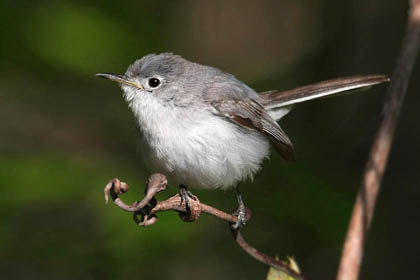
204 128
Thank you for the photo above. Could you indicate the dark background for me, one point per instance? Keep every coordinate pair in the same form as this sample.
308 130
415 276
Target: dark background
65 133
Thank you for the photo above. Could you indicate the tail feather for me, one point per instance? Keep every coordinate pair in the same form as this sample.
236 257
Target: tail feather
274 100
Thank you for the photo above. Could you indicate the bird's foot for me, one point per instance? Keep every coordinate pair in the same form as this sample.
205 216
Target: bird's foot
186 195
241 214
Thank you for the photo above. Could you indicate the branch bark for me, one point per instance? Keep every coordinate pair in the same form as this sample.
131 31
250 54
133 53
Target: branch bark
352 254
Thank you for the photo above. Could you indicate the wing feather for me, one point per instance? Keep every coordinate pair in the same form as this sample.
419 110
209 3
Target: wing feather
250 114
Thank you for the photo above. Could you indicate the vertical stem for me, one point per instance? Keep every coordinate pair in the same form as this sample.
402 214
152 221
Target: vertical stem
351 258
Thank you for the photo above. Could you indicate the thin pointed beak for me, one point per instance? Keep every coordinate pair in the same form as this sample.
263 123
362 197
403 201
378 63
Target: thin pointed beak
119 79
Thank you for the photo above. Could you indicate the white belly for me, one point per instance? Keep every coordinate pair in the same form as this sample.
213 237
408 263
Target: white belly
197 148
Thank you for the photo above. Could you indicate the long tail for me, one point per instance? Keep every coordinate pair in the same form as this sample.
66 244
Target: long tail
278 103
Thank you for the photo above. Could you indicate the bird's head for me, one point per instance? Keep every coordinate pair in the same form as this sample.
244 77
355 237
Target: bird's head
154 76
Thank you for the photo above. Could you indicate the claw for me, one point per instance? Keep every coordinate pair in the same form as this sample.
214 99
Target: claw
241 214
185 196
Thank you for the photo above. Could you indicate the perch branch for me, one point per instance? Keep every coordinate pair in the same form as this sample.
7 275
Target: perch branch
147 208
365 202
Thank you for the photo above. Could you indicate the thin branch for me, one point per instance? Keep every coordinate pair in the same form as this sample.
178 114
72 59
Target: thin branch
276 264
149 206
144 214
366 198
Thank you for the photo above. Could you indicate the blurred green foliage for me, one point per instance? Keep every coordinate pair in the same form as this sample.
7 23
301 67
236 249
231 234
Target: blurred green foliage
64 134
69 37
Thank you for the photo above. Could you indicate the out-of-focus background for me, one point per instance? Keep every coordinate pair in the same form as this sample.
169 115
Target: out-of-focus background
65 133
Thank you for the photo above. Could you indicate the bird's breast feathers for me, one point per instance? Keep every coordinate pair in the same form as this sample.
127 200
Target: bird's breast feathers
197 147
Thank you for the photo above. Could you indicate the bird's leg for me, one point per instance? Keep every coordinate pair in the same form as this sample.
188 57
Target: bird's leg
185 196
241 212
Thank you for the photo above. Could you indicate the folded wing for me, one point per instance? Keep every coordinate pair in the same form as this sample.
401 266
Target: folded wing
252 115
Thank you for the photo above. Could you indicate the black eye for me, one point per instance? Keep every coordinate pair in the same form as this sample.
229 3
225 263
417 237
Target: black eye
153 82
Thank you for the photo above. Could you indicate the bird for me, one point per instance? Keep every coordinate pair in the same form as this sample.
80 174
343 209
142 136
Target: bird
204 128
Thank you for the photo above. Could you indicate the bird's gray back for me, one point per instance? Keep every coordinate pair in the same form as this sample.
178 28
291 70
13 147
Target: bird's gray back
211 83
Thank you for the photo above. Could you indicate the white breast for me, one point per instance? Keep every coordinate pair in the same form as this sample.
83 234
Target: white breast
195 147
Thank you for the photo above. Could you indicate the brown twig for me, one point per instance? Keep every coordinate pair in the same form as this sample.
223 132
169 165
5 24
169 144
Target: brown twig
270 261
365 202
149 206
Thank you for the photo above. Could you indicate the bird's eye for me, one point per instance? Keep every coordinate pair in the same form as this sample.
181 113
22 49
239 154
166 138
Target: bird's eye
153 82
